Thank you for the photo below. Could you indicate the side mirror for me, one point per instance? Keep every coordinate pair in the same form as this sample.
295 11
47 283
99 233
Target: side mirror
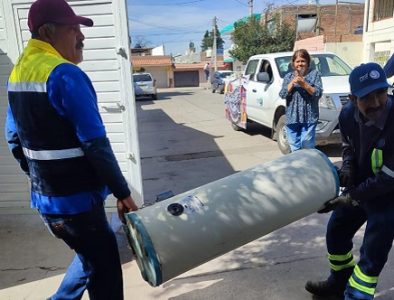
263 77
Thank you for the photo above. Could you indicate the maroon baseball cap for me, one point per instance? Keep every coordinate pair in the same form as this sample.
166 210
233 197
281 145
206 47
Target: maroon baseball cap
54 11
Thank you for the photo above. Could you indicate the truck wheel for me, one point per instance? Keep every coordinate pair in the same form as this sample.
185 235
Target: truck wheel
283 145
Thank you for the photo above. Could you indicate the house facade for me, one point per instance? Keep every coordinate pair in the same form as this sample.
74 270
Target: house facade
160 66
378 30
335 28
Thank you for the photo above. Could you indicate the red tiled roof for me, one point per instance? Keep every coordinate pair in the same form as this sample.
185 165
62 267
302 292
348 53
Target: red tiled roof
157 60
196 66
190 66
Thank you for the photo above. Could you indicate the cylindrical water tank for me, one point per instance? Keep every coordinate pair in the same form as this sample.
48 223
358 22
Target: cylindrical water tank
187 230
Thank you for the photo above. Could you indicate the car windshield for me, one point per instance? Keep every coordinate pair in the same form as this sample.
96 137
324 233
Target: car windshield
327 64
141 77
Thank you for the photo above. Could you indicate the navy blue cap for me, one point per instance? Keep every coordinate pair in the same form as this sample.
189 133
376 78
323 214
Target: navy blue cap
366 78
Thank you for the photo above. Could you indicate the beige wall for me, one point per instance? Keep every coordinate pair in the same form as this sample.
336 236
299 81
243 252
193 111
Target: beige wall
350 52
311 44
163 75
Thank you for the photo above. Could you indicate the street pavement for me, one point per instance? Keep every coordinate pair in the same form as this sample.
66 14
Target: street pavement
186 142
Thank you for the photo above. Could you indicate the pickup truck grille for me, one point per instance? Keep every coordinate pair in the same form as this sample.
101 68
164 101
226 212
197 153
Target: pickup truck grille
344 99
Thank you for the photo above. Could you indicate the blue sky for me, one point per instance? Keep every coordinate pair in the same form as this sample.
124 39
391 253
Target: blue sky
175 23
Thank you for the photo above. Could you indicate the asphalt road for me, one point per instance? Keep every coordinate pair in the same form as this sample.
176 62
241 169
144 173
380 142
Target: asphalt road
186 141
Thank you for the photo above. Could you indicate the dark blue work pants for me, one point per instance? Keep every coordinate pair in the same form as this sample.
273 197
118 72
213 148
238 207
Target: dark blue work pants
345 221
96 265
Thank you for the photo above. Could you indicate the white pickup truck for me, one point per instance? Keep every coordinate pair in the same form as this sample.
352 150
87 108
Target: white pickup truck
255 97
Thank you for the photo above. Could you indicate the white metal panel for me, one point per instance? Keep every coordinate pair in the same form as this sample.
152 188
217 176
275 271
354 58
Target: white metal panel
133 163
111 77
3 34
14 185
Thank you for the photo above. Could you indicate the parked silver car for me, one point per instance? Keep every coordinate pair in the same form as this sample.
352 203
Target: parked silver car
144 85
218 80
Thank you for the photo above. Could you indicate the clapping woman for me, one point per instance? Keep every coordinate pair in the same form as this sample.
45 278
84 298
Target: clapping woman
302 88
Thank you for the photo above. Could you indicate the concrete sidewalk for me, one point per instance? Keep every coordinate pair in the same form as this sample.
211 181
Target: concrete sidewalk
274 267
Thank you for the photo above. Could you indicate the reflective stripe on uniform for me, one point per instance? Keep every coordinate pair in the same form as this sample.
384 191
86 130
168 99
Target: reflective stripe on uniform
362 282
53 154
387 171
341 261
40 87
376 160
357 286
363 277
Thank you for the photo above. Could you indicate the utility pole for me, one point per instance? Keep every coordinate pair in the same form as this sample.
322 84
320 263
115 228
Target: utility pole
250 4
336 20
318 17
214 47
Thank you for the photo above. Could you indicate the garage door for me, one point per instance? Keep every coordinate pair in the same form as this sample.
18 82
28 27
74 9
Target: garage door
186 79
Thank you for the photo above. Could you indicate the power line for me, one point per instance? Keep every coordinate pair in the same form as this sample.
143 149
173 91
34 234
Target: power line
189 2
244 4
171 33
288 2
171 3
224 21
160 26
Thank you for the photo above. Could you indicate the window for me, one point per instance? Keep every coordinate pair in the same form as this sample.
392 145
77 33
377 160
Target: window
266 67
330 65
252 67
284 65
141 77
383 9
326 64
336 67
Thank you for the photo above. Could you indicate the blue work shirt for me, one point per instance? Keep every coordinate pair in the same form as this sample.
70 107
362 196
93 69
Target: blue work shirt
302 107
72 95
359 138
389 67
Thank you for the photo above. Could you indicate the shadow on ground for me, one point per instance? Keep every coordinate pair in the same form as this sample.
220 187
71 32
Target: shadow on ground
178 162
163 96
274 267
253 128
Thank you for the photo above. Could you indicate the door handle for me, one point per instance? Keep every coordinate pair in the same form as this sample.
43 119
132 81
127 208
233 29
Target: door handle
115 109
254 91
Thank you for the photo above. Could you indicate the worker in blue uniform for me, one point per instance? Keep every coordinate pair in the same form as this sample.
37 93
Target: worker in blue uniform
367 129
389 67
56 133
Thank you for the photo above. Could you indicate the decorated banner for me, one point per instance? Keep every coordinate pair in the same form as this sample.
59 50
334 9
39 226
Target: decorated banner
235 102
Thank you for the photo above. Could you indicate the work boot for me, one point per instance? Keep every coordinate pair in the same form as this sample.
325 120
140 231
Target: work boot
325 288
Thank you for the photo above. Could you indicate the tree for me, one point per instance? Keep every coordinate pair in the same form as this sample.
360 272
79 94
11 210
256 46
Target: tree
252 38
140 42
207 41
